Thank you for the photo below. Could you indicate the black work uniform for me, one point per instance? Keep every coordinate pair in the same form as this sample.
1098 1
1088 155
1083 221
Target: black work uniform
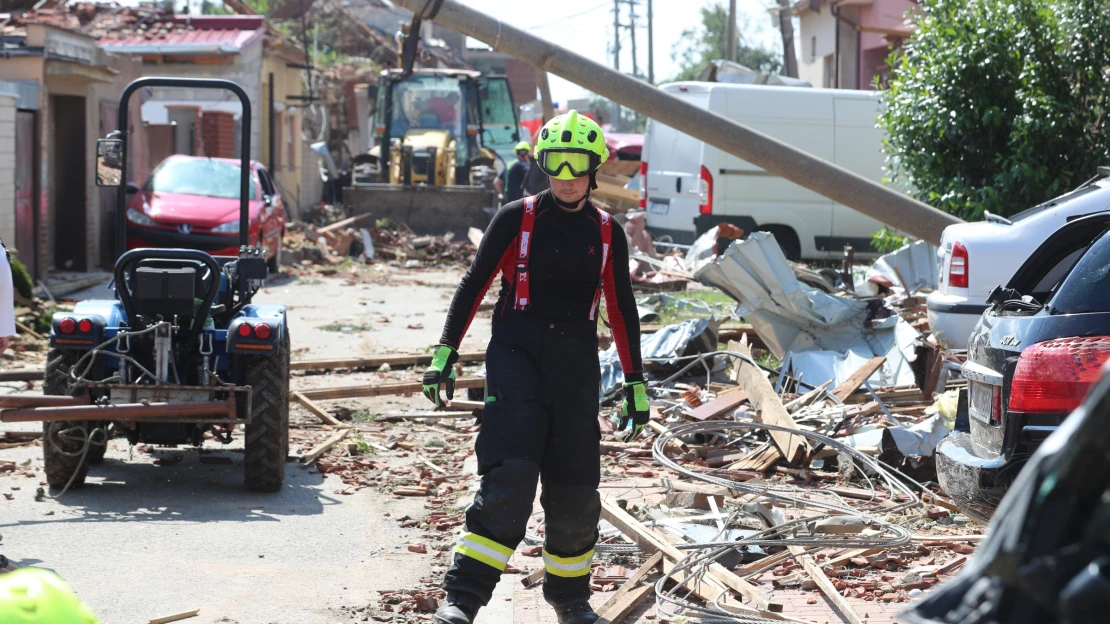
540 418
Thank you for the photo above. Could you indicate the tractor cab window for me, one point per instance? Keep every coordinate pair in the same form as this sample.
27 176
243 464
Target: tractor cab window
427 103
499 126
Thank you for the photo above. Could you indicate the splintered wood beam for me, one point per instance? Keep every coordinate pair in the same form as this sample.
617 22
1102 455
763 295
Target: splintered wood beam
768 407
316 410
825 585
353 392
850 385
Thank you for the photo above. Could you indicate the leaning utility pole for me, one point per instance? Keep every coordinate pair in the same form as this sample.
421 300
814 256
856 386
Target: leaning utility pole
615 122
775 157
651 46
786 27
545 95
632 33
731 50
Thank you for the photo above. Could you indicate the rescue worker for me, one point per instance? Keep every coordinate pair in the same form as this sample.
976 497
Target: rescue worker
514 174
557 255
37 596
535 180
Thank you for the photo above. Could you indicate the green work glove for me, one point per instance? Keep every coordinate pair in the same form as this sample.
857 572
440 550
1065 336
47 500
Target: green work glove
441 371
635 409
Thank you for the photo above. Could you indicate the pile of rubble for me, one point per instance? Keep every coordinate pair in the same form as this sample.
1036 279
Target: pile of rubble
306 245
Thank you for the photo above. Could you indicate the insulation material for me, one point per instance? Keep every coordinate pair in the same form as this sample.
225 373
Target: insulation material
664 346
822 336
920 439
918 262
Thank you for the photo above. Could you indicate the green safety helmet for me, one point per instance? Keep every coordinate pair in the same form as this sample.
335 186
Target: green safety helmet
571 146
37 596
523 145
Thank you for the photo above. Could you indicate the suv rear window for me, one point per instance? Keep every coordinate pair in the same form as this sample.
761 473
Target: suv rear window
1087 287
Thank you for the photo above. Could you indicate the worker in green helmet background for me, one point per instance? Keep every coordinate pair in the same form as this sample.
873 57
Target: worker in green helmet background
513 185
557 254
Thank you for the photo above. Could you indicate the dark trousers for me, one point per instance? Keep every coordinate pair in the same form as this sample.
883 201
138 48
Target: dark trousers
539 422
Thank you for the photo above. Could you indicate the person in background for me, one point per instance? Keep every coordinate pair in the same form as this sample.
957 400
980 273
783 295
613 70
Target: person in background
535 180
515 173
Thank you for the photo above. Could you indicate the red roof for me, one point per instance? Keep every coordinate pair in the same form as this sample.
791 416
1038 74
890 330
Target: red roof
216 34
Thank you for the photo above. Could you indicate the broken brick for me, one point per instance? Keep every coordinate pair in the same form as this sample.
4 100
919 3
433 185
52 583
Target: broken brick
418 548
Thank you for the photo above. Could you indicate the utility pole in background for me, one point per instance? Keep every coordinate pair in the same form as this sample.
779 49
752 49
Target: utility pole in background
786 27
632 33
731 53
616 58
651 47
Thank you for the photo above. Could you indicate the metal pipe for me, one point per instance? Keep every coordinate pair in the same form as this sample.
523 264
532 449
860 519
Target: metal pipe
15 401
824 178
122 411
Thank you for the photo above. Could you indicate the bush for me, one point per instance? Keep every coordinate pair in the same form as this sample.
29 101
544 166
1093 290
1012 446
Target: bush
998 105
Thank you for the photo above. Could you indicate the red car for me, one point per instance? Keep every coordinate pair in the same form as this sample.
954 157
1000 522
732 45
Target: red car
193 202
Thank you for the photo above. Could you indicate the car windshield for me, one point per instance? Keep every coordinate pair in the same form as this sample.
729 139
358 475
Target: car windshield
1087 287
197 176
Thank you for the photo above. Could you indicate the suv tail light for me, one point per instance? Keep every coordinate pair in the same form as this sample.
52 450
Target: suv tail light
705 191
643 184
1053 377
957 267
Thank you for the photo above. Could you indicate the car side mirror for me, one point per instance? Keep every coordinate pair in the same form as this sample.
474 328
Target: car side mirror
132 188
109 162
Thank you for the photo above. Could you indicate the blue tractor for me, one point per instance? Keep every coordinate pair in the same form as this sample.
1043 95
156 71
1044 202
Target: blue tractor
181 351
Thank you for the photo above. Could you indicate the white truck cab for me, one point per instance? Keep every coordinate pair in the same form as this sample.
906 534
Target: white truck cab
689 187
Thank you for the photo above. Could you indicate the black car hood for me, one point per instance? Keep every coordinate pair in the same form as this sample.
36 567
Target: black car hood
1047 553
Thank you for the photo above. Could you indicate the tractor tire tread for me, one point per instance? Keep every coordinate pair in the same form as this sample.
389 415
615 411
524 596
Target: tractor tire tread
267 434
58 466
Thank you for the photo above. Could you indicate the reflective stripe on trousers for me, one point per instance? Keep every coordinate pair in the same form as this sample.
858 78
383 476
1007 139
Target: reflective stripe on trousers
568 567
485 550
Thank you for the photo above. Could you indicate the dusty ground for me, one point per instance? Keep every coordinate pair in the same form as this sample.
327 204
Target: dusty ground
142 540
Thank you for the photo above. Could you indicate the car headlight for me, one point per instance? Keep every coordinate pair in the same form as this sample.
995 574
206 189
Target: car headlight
231 227
139 218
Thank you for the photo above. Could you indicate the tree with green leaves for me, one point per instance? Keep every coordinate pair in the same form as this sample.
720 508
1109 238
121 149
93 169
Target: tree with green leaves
998 105
702 45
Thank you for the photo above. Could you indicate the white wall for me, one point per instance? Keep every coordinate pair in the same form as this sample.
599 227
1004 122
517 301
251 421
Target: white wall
817 38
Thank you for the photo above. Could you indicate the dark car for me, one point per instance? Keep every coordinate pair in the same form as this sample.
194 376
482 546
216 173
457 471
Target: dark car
1031 360
1046 559
192 202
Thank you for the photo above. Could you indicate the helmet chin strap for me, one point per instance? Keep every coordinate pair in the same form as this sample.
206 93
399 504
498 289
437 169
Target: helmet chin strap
574 204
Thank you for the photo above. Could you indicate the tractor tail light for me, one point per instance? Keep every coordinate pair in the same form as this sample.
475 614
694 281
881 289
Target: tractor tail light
67 325
85 325
1053 377
262 331
957 267
244 330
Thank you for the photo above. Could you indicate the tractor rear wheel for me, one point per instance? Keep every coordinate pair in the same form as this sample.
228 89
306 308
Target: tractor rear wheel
61 455
267 435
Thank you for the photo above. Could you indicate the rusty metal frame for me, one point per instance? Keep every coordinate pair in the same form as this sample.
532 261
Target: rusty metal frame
39 408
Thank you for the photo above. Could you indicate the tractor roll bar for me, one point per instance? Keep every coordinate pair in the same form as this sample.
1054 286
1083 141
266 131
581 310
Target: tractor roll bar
128 258
245 149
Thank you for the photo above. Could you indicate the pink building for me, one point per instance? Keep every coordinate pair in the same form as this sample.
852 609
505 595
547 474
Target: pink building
843 44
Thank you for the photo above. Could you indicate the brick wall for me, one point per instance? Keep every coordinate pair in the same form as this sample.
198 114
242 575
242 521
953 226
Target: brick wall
7 169
217 134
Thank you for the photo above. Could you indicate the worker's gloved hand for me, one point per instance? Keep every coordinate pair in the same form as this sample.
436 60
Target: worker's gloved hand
635 409
441 371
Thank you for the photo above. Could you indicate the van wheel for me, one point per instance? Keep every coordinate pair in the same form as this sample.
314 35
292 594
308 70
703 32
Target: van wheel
787 240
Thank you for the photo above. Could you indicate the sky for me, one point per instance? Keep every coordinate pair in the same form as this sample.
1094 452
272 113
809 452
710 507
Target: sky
586 27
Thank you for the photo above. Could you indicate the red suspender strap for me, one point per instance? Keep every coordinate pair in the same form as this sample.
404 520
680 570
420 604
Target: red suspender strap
606 245
522 253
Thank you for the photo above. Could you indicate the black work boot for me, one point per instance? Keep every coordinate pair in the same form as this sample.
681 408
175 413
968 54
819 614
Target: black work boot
457 609
577 613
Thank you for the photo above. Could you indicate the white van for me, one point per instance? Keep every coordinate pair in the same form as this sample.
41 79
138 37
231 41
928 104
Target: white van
691 186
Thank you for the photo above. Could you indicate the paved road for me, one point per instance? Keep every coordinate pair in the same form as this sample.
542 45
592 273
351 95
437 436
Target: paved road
142 540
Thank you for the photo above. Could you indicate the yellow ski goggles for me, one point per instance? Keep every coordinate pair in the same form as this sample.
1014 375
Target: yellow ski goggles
568 163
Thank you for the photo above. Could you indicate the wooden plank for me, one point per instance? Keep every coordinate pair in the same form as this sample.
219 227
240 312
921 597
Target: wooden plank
352 392
759 460
826 585
808 397
325 446
316 410
951 565
175 617
459 404
375 361
852 554
768 406
844 390
27 330
344 223
626 604
27 374
407 416
618 606
652 541
718 406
